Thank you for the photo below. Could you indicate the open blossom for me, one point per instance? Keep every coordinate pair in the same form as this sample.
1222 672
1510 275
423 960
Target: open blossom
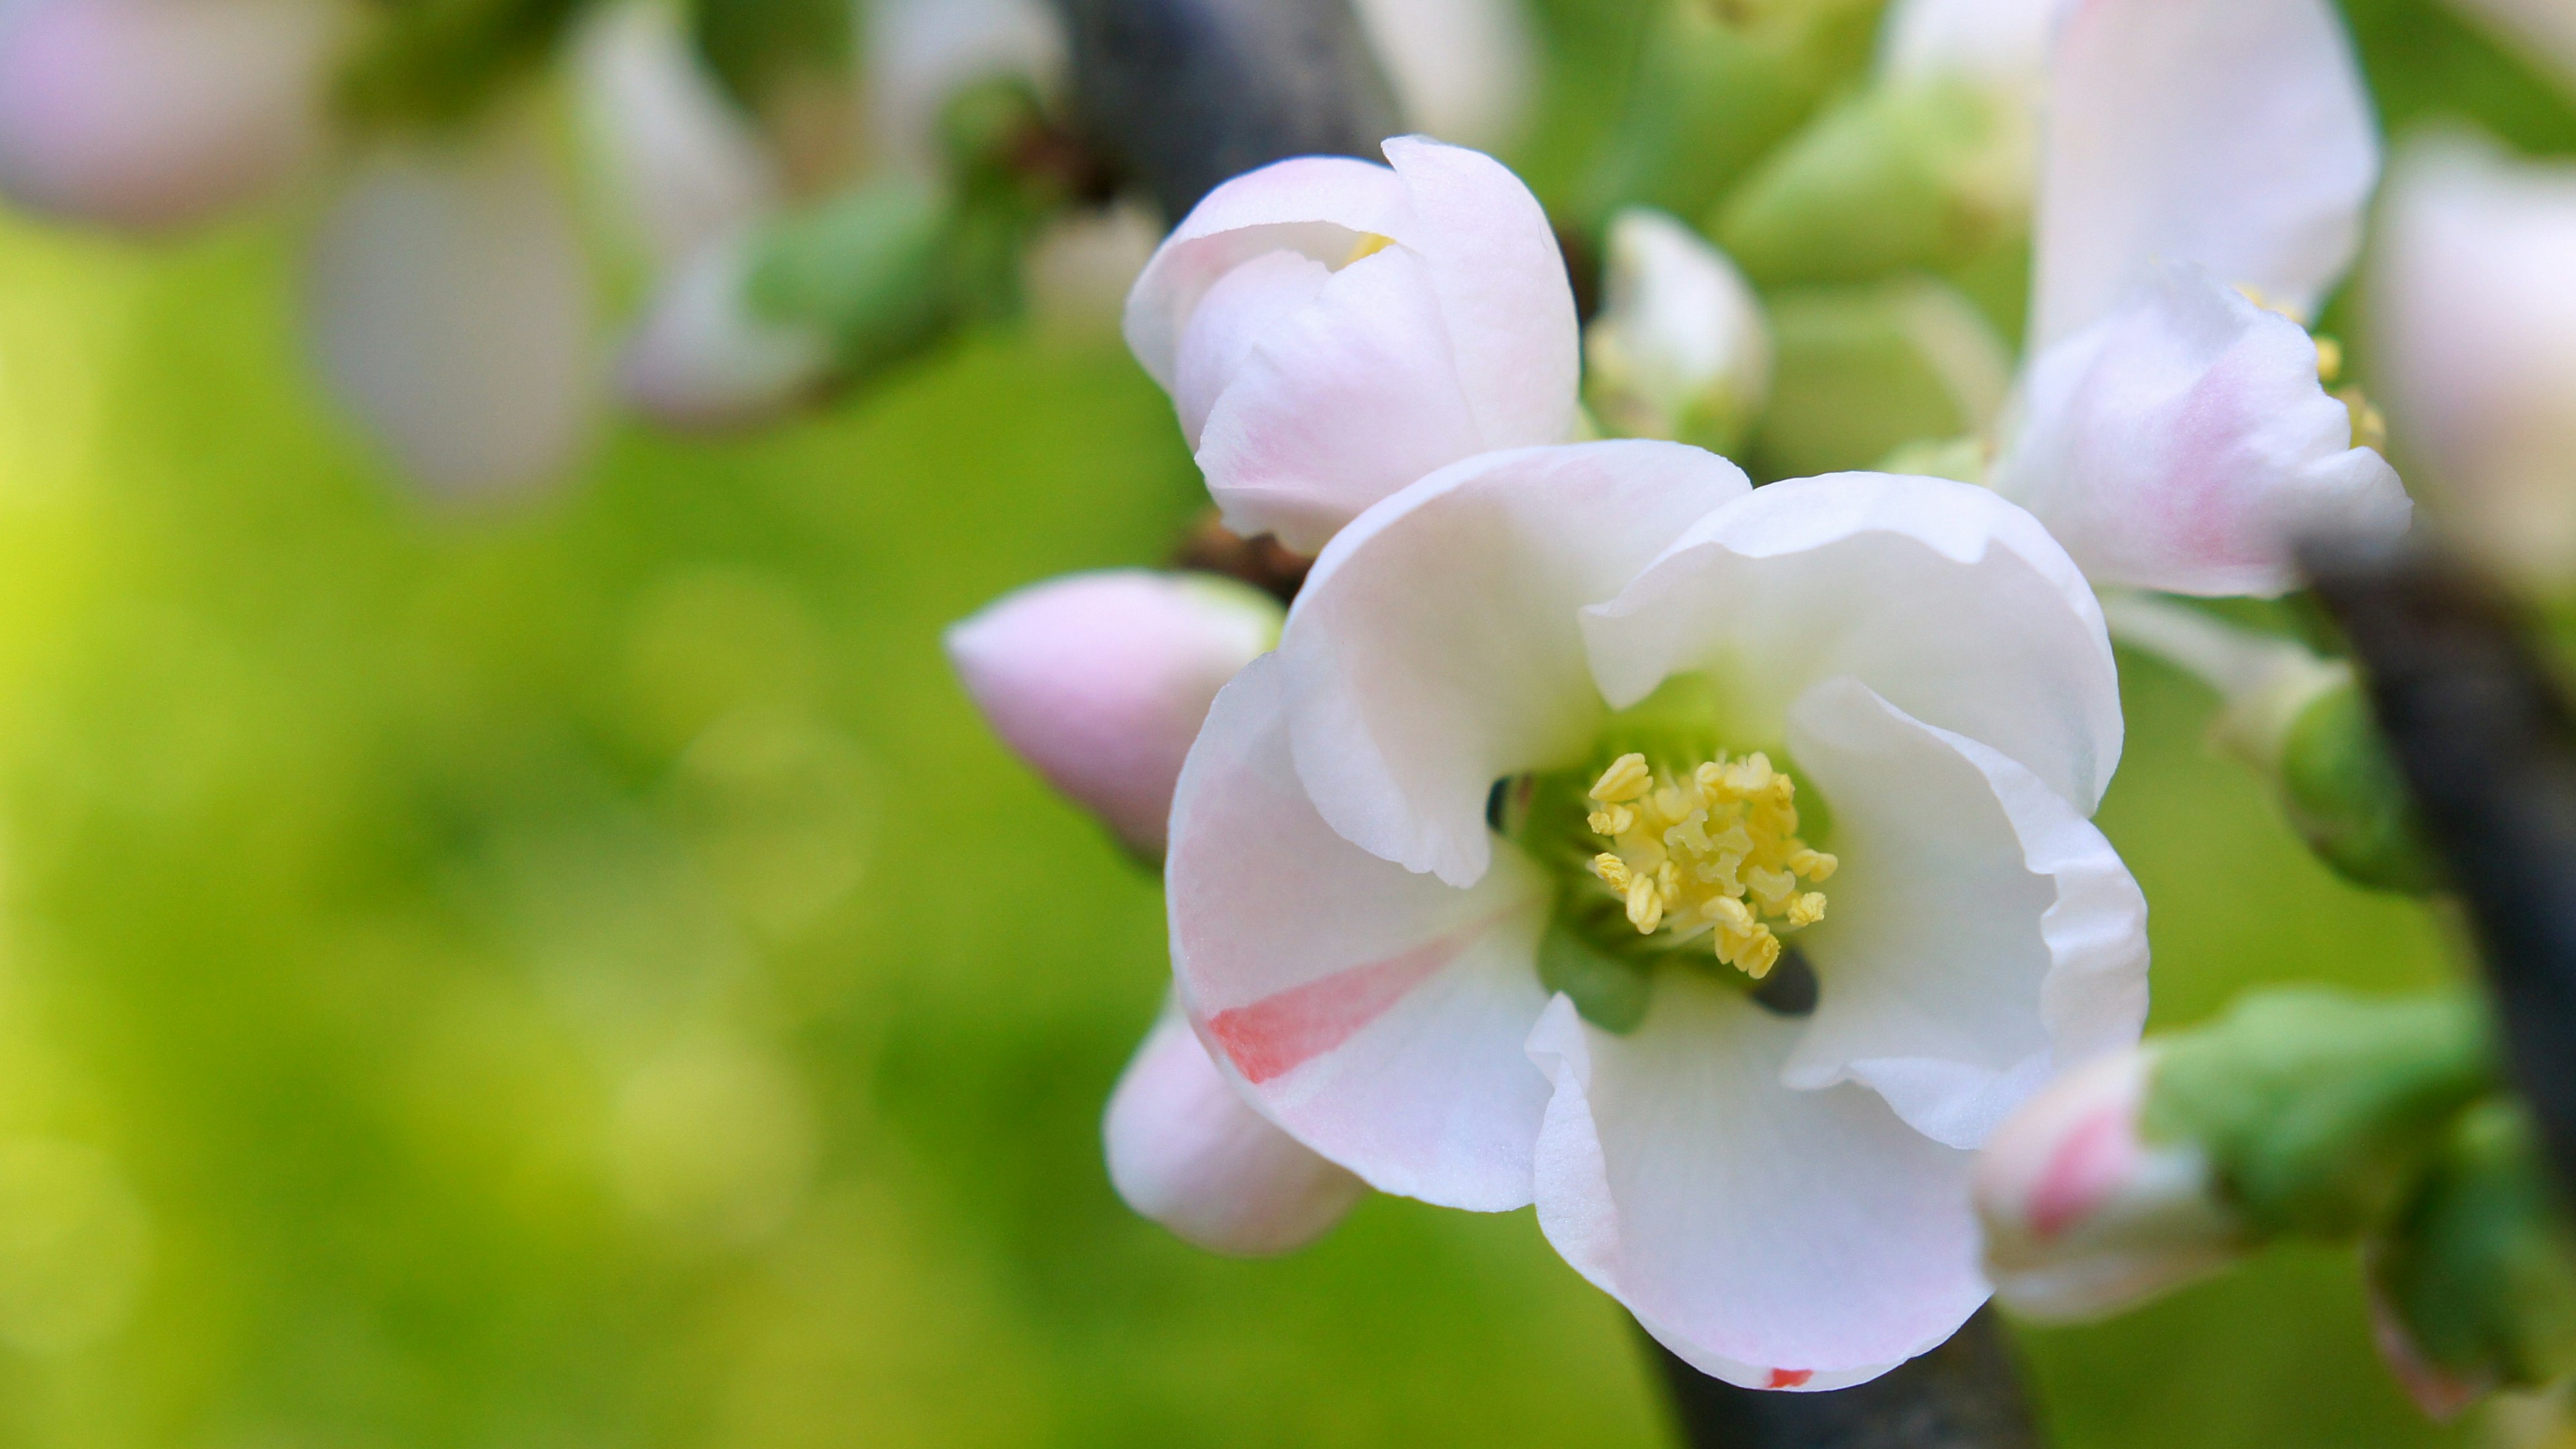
2204 171
1331 330
2474 314
1577 767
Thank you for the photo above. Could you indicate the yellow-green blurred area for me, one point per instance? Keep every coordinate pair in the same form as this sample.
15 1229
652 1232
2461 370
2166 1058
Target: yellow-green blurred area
582 976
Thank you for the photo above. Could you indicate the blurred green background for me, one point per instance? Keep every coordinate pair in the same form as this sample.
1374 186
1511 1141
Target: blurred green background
583 976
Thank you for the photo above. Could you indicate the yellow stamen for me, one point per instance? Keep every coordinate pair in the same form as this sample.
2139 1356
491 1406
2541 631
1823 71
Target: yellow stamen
2329 359
1714 849
1369 245
2369 425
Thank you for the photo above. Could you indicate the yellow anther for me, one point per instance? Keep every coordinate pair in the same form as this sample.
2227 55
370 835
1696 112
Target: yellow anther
2254 294
1714 849
2329 359
1369 245
1626 779
2369 425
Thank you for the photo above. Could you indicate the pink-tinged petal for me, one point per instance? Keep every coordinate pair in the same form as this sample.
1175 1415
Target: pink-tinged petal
1435 649
152 114
1951 603
1375 1014
2183 443
2473 307
1243 306
1101 681
1774 1239
1187 1151
1337 405
2234 134
683 164
1318 206
1493 258
1982 936
2082 1216
450 308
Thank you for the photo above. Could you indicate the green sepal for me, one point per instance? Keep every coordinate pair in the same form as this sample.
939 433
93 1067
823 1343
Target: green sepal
1861 371
2480 1265
1612 991
1893 179
869 268
2317 1109
2344 794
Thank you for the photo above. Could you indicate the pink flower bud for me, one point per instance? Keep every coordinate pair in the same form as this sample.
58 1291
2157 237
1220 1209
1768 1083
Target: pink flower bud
1186 1150
151 114
703 360
2082 1216
1101 681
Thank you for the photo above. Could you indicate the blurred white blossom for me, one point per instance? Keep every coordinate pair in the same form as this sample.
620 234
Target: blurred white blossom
1679 348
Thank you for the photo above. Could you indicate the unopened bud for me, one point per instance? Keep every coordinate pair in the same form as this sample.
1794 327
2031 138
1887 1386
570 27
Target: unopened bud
1900 176
150 114
2083 1214
1679 349
2473 1284
1101 681
1862 371
2302 722
706 358
1186 1150
867 268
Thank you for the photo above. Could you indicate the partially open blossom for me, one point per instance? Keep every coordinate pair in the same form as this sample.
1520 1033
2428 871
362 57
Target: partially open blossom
1331 330
1680 348
2082 1215
1709 866
1187 1151
150 114
1462 69
2205 167
2474 318
1100 681
449 306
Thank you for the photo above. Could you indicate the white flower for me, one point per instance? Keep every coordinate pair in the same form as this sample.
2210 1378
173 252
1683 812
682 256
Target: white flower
1187 1151
1462 70
1331 330
1102 680
1679 348
680 162
449 304
703 357
2171 432
2474 312
151 114
1659 684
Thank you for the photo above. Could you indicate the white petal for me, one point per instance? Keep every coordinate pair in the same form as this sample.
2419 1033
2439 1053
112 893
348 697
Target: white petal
1101 681
1981 937
702 358
1231 320
1503 289
1186 1151
149 114
1336 404
1774 1239
2231 133
1375 1014
1681 339
1435 649
920 52
683 164
450 305
1999 42
1319 206
2184 443
1954 605
1461 69
2474 308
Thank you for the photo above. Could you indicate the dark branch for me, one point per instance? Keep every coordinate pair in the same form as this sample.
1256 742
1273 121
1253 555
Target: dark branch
2485 735
1182 94
1963 1395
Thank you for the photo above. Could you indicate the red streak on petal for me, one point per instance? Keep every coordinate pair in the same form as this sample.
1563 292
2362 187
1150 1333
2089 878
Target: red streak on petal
2084 1171
1278 1034
1790 1378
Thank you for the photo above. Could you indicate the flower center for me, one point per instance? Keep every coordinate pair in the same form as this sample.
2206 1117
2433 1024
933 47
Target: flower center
1711 851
